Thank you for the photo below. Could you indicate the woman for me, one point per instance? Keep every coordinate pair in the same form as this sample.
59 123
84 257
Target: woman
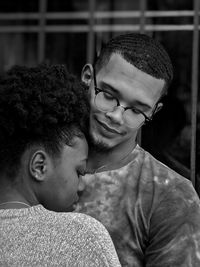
43 152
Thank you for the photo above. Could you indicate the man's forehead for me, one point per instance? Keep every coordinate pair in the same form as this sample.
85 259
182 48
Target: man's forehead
117 65
126 80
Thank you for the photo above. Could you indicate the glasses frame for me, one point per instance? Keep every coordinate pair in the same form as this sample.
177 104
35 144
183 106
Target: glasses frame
98 90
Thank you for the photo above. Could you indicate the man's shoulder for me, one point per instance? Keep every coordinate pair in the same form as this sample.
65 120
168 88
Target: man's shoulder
164 178
158 168
142 167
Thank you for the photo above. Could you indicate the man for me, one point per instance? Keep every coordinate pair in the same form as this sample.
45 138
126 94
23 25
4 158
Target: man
151 212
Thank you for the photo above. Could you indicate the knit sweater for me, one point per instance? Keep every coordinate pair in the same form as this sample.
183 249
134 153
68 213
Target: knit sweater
38 237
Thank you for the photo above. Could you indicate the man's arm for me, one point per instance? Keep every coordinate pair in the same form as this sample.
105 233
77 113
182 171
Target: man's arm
174 236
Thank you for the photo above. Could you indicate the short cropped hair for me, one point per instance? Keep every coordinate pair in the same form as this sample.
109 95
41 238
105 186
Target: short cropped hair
142 51
42 105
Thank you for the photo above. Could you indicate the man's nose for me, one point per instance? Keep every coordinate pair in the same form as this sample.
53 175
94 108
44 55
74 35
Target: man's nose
116 115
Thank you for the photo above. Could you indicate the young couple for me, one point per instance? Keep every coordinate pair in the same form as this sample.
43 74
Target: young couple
151 212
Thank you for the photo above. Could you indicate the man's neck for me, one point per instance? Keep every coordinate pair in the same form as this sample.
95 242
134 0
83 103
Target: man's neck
110 159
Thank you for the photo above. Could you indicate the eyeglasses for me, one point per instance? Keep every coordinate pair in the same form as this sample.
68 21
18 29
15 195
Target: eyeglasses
106 102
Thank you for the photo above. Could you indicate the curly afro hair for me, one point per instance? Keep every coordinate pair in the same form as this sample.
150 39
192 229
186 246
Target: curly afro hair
142 51
40 105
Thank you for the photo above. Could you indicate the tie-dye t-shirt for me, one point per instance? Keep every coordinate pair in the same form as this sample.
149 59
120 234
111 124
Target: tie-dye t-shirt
151 212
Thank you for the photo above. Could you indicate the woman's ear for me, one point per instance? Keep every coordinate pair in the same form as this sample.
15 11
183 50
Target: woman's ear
87 74
38 165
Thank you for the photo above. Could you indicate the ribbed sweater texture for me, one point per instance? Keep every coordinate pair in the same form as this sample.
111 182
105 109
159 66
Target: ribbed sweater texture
39 237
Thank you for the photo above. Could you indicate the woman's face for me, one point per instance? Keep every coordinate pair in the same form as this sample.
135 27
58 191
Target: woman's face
64 177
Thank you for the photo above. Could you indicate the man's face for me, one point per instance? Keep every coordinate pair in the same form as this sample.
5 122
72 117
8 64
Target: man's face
64 176
131 87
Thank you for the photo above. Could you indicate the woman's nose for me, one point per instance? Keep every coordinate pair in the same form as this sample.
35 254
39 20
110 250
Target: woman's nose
81 184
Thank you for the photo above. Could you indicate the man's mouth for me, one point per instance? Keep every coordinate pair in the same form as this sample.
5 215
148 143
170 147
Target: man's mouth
107 128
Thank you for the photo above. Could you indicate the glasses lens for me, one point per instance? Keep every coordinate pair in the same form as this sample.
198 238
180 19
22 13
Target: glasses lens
105 101
133 119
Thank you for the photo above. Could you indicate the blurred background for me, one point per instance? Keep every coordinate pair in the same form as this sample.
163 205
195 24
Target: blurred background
72 32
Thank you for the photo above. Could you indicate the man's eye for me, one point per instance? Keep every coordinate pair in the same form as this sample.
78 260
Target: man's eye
108 95
136 111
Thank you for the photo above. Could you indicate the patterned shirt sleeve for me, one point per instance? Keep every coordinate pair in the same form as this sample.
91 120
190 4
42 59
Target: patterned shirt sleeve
174 230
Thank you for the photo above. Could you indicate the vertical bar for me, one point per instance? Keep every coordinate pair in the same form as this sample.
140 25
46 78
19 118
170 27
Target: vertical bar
41 34
142 30
195 59
143 5
90 39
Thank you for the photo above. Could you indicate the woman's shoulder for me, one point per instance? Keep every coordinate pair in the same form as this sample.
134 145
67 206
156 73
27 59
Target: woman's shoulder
72 222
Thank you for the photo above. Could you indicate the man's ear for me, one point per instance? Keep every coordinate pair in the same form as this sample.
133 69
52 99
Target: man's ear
87 74
38 165
158 107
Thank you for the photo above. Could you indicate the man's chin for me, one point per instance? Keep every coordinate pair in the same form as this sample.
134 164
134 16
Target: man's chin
99 145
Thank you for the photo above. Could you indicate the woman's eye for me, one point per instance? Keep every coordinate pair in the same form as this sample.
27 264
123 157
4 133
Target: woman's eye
81 172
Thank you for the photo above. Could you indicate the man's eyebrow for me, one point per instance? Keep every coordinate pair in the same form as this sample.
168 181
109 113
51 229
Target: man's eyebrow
109 87
144 105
